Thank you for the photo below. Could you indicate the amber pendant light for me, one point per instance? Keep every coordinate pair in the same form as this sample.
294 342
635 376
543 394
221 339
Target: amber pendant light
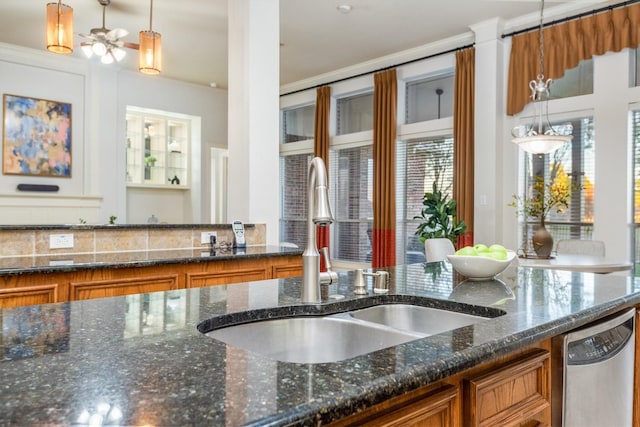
150 54
59 28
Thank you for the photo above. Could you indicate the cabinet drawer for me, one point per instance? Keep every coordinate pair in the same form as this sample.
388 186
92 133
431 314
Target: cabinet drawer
515 393
119 287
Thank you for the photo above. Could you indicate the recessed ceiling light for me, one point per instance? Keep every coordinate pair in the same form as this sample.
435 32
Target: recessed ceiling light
344 8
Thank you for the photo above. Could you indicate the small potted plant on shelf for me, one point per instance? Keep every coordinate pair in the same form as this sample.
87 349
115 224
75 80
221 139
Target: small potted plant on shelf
150 161
439 217
547 196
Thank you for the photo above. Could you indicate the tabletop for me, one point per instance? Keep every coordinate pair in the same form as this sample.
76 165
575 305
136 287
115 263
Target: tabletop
575 262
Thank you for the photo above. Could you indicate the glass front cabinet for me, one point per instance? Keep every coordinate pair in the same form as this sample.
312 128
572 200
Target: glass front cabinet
157 150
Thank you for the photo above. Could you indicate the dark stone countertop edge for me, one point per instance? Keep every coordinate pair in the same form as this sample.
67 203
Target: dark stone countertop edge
270 252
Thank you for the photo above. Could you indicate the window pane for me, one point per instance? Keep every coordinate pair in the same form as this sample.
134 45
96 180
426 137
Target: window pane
298 124
355 113
636 183
576 81
420 163
429 99
293 196
351 175
574 162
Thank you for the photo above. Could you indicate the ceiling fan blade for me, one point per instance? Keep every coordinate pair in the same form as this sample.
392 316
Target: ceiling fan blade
129 45
117 33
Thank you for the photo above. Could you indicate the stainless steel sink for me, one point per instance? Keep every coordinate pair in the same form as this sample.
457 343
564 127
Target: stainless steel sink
336 337
415 318
311 339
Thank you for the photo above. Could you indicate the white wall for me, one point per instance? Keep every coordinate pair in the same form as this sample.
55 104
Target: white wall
99 95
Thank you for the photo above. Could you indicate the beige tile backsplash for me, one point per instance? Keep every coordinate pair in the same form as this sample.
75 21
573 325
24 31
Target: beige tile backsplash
37 242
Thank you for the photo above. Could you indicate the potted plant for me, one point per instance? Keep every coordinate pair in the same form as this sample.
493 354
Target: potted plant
150 161
439 217
552 195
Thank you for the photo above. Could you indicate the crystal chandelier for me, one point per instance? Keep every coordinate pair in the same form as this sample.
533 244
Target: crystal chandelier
533 138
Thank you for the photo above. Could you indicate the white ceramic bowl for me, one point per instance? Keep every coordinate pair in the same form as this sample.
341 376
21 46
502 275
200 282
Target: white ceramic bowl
479 267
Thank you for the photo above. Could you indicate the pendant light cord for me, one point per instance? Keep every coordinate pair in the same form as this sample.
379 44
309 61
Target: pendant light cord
541 38
151 17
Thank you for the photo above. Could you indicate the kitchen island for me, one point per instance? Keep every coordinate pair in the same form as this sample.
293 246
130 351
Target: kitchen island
140 360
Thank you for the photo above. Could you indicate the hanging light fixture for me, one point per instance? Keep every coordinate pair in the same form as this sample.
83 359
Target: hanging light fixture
59 28
533 138
150 56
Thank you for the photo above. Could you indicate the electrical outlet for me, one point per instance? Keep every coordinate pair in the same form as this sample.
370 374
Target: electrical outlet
205 237
60 241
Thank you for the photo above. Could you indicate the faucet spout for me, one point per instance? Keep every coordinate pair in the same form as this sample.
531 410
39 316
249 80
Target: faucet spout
318 213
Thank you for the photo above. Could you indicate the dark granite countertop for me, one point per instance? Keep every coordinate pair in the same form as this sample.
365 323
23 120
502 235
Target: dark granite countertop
139 359
87 261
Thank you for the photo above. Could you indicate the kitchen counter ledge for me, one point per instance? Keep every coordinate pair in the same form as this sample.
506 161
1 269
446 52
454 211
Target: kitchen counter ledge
140 360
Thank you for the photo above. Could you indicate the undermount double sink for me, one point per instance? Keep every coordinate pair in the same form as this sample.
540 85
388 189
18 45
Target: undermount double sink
340 336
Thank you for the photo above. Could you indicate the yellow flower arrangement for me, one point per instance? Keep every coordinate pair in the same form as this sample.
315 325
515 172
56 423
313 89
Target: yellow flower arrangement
546 197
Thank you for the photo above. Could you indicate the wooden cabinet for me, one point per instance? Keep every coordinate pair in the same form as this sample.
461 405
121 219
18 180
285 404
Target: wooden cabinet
41 288
513 390
515 394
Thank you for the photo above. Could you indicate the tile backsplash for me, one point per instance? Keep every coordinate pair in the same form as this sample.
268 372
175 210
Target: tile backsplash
37 240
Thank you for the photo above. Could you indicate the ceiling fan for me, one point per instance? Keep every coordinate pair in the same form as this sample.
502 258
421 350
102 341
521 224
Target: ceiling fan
106 43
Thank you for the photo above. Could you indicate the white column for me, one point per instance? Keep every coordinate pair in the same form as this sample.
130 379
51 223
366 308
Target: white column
254 43
489 113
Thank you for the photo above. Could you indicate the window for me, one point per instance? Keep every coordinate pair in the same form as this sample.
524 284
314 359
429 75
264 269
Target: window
576 81
293 196
420 163
355 113
635 123
298 124
575 161
429 99
351 183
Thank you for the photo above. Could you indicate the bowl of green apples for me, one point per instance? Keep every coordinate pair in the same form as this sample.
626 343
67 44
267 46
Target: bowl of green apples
481 262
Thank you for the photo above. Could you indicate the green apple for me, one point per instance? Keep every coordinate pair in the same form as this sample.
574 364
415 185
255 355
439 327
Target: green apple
498 255
467 251
495 247
481 248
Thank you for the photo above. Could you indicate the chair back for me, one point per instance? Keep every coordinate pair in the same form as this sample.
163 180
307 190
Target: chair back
580 247
437 249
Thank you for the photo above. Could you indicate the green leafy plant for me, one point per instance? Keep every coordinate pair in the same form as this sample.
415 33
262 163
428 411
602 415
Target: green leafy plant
439 217
112 219
150 160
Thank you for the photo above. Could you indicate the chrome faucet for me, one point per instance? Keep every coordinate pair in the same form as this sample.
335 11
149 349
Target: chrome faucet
318 213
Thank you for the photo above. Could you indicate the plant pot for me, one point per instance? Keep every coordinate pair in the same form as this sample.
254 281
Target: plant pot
542 242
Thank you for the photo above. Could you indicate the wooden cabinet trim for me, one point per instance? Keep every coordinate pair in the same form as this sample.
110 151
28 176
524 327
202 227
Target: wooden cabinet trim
195 280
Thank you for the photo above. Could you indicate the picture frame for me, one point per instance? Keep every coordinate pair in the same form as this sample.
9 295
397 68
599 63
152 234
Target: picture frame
36 137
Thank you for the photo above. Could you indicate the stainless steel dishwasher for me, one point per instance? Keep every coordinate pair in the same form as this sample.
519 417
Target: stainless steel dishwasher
593 376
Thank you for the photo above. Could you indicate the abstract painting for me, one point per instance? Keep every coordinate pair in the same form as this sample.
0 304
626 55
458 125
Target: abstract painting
36 137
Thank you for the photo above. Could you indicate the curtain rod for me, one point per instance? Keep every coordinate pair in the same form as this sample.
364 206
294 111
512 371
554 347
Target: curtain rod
382 69
570 18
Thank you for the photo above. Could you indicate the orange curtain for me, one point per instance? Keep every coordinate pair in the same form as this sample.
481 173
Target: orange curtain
565 45
321 149
385 95
463 150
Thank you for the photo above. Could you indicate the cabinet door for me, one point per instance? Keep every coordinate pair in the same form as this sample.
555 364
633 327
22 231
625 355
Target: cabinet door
118 287
434 407
28 295
517 393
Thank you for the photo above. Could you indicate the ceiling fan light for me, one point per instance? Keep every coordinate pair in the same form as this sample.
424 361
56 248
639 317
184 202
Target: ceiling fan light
107 58
118 53
59 28
99 48
87 49
150 56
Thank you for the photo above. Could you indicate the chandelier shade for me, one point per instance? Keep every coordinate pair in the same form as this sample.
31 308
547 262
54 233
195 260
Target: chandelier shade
150 54
59 28
534 138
